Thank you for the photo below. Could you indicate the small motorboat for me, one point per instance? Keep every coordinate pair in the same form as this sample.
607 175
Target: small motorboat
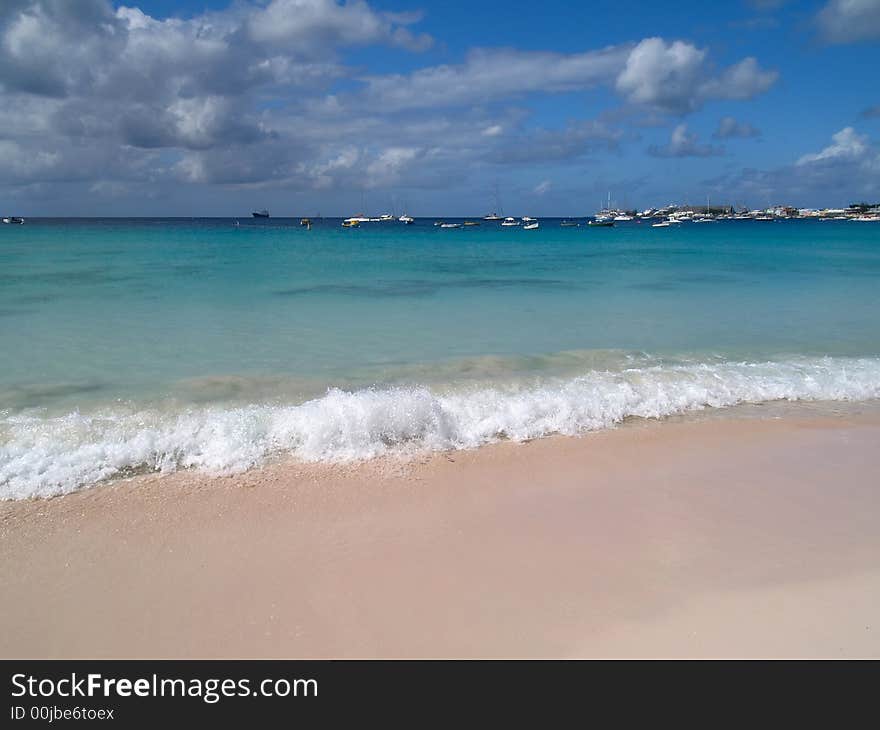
14 220
569 224
351 223
260 213
471 223
661 224
531 226
307 222
600 223
450 225
406 219
510 222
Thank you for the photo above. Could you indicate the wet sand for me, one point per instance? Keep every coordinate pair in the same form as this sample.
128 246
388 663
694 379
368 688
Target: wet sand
724 538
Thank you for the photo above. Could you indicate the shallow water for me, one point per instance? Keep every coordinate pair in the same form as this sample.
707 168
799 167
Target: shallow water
159 344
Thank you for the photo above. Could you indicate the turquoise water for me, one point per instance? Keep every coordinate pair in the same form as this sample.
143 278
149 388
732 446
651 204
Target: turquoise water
144 344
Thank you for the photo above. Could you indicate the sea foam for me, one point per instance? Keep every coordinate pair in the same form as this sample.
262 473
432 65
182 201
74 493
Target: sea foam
43 456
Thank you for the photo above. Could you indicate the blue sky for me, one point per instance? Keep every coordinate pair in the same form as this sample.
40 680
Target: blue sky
303 106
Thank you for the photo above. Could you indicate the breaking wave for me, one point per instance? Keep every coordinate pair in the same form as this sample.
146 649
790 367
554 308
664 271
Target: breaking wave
42 456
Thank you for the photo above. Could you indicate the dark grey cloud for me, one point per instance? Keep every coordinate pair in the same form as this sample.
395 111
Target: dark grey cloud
871 112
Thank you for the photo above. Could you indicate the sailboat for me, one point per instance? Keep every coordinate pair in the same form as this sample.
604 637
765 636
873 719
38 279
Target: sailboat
493 216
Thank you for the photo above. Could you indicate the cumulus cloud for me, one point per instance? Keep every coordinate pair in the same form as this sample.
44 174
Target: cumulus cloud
849 21
119 102
847 145
675 77
79 79
492 74
684 144
729 128
672 76
317 24
848 169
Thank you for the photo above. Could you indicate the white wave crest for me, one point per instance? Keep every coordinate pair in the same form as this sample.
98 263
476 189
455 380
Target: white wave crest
41 456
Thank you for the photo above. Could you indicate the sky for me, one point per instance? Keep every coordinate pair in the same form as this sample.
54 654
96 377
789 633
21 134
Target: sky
318 107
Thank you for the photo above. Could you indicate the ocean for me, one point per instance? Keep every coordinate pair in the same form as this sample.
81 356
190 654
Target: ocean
133 345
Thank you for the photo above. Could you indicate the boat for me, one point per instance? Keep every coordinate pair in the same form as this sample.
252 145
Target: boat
260 213
661 224
471 223
569 224
385 217
450 225
493 216
598 223
14 220
351 223
623 217
531 226
307 222
527 219
406 219
510 222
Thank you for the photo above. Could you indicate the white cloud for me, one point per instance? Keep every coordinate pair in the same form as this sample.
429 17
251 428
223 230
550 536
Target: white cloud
743 80
670 76
491 74
389 164
849 21
729 128
847 145
115 99
314 24
542 187
674 77
845 171
684 144
662 74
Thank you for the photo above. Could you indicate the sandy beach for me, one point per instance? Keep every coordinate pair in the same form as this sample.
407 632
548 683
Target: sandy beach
724 538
